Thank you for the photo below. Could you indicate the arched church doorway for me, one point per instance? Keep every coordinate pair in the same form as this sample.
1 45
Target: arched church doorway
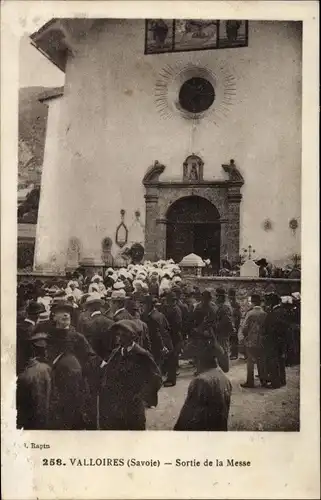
193 226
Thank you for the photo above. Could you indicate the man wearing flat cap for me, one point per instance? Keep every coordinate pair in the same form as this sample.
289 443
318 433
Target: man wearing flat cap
130 378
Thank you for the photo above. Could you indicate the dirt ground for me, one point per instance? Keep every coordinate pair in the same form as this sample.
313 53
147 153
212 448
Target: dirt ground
251 409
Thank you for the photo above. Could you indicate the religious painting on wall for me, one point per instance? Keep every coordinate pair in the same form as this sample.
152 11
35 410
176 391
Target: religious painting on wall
159 36
181 35
190 34
233 33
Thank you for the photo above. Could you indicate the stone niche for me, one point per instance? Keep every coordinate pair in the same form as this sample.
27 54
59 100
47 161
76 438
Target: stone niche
224 195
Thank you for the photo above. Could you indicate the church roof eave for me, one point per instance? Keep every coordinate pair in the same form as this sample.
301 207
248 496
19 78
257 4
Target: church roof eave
54 93
59 38
52 41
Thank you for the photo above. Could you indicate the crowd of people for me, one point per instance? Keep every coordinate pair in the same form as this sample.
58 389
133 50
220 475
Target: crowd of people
93 353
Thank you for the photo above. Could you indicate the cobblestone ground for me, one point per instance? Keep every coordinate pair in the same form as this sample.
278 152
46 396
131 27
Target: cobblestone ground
251 409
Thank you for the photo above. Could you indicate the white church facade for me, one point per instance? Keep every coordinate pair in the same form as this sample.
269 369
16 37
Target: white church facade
184 151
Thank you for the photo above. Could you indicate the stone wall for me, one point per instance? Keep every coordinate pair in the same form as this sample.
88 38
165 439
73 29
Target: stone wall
244 287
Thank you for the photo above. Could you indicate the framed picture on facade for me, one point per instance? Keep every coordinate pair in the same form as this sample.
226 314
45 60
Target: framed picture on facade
159 36
193 34
233 33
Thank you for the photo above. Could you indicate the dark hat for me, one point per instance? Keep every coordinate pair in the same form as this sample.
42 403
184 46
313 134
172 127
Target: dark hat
255 297
261 262
61 305
272 298
214 354
126 324
39 339
271 294
220 292
232 292
83 298
206 294
270 289
94 298
35 308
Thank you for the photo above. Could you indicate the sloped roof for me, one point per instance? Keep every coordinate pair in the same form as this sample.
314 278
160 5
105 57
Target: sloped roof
51 94
50 41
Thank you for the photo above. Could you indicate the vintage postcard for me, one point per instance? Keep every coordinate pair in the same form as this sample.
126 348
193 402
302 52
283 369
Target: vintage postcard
159 250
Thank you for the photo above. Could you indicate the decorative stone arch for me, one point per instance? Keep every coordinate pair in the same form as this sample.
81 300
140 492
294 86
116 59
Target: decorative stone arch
193 225
225 195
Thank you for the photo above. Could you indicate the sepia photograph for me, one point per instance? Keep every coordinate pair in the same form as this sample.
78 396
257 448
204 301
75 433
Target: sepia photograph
159 203
159 257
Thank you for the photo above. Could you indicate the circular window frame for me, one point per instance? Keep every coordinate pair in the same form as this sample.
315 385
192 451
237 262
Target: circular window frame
188 92
182 77
171 78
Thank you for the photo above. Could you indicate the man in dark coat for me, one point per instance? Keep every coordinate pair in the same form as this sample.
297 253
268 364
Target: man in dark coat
203 327
135 309
174 317
130 377
96 327
252 331
34 387
224 322
236 309
207 404
296 324
177 289
275 341
191 303
25 329
118 305
76 372
263 268
158 328
153 285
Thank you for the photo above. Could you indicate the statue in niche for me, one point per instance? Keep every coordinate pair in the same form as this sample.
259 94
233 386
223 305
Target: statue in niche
193 176
193 169
106 255
73 253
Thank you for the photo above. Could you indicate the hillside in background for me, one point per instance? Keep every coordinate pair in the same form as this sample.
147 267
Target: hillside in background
32 133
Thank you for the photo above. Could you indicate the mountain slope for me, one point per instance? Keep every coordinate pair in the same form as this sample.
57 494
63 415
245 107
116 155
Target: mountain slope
32 132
